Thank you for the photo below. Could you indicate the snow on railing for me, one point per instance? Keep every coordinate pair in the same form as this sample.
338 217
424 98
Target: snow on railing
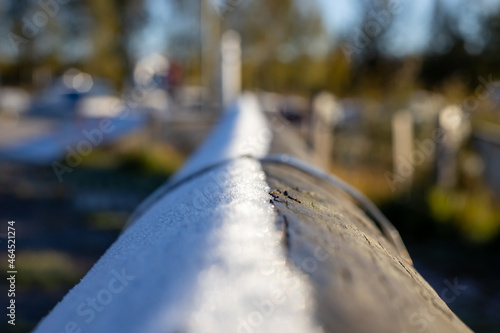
202 255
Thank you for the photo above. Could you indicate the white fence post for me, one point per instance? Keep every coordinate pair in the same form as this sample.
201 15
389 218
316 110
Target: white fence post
231 66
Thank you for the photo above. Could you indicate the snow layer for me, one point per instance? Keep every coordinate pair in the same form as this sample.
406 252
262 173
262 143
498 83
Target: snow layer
243 130
205 257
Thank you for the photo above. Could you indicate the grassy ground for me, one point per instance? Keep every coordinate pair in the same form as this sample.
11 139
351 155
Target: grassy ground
62 229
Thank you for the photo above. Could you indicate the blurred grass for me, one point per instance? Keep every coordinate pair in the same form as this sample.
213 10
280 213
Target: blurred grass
107 220
46 270
473 212
370 181
156 158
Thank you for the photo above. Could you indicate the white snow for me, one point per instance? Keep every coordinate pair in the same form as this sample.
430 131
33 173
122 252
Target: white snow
243 130
206 257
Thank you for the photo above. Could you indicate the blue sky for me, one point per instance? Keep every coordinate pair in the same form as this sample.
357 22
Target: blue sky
409 33
340 18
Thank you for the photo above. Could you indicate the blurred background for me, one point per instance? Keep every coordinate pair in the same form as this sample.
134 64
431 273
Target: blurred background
101 101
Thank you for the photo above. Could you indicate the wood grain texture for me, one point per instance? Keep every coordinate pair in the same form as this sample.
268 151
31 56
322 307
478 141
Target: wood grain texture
361 282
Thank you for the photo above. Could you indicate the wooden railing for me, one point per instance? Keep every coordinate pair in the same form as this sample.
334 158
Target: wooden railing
241 240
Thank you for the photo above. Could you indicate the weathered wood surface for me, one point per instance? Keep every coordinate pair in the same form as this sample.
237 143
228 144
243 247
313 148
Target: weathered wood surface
237 242
361 282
